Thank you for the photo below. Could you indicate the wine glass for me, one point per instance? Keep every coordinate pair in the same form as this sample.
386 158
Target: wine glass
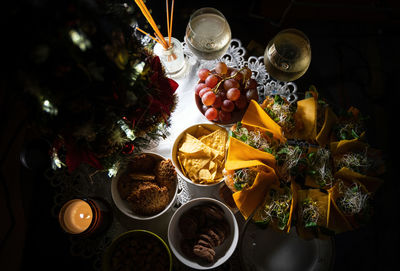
288 55
208 34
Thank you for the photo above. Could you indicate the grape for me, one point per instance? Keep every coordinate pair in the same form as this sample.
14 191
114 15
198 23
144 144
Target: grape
238 76
233 94
211 113
231 83
199 87
218 101
252 94
224 116
204 108
203 91
222 94
203 73
246 73
211 80
228 106
208 98
251 83
241 103
221 68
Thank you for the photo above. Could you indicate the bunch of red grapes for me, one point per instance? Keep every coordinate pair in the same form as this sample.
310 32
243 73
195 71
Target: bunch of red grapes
224 90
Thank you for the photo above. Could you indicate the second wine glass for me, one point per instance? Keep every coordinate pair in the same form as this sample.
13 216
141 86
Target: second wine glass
208 34
288 55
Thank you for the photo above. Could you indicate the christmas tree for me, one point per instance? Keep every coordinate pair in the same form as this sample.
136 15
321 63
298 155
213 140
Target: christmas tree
101 96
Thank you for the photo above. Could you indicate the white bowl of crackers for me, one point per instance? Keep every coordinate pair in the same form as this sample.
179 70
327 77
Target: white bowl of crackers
199 154
203 233
146 187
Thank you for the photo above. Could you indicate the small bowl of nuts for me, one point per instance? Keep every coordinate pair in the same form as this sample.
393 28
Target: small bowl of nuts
137 250
203 233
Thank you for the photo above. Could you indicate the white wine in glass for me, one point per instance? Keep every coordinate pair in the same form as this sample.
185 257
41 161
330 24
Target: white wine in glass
208 34
288 55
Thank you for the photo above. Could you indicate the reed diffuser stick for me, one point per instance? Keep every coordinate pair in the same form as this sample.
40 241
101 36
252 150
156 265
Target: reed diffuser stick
150 20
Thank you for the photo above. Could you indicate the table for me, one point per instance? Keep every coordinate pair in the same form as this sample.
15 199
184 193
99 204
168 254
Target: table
87 182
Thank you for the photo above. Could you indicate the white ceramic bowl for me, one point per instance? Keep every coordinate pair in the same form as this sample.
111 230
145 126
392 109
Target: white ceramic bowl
199 190
223 252
124 206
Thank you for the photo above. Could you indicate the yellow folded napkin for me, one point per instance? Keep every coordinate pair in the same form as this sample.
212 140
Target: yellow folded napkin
307 114
241 155
260 217
256 116
321 203
337 222
324 135
345 221
372 184
248 199
343 146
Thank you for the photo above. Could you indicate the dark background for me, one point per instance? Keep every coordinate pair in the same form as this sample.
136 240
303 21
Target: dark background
354 62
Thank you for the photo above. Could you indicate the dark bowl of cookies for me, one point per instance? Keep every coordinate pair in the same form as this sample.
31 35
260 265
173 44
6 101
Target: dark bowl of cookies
203 233
145 187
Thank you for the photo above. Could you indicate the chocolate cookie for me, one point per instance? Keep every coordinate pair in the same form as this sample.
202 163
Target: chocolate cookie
207 238
204 253
215 237
213 212
204 243
221 231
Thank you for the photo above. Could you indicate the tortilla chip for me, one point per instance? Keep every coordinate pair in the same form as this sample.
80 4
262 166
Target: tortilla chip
216 140
201 131
199 161
256 116
307 113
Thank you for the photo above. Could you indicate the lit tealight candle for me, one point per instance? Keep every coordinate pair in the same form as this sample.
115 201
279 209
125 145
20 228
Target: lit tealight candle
85 216
76 216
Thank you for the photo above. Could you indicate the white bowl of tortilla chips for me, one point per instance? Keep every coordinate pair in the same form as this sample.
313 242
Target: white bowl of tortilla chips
199 154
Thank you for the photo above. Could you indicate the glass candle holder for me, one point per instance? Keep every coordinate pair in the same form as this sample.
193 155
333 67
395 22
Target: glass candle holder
85 216
172 58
